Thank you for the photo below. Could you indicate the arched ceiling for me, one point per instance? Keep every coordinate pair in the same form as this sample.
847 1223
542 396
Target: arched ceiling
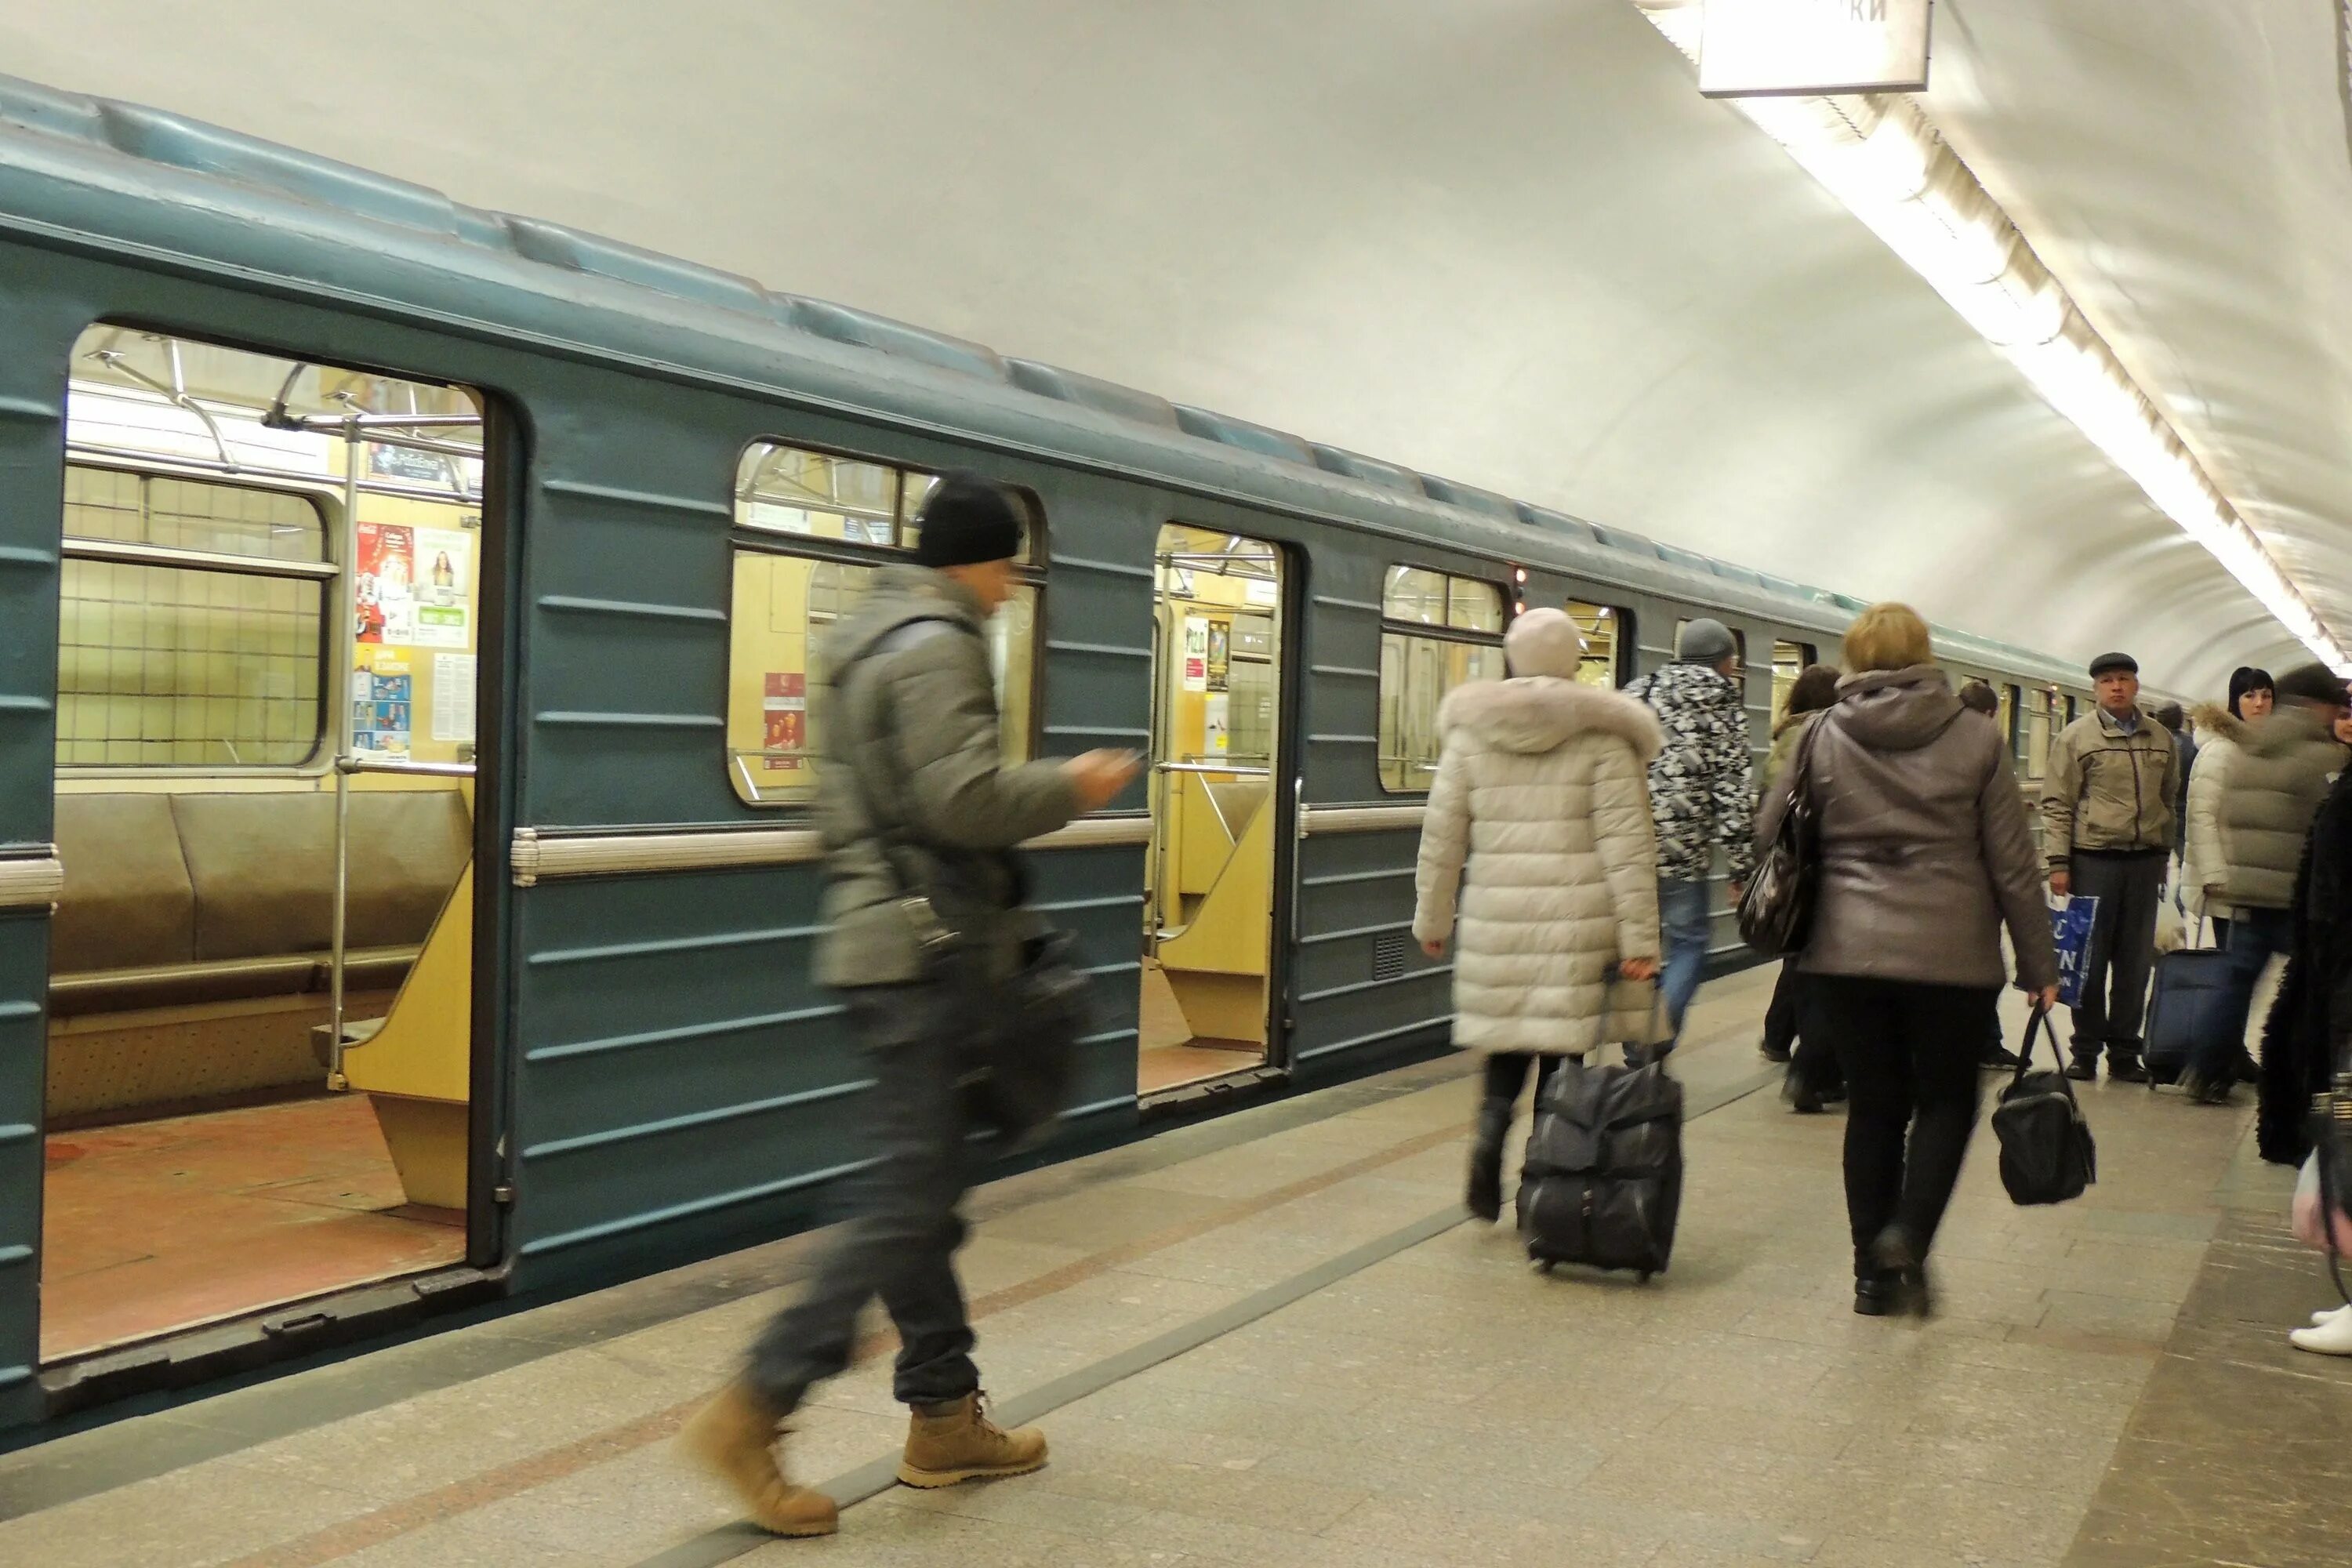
1500 240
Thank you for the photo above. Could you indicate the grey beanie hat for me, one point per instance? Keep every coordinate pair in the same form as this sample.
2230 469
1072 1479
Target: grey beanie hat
1705 641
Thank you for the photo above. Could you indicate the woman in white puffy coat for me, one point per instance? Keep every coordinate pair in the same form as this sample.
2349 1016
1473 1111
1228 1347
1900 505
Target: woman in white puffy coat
1543 790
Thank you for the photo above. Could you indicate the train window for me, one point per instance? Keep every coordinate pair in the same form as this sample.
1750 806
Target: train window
2040 713
856 516
1608 631
1789 661
2007 717
1437 631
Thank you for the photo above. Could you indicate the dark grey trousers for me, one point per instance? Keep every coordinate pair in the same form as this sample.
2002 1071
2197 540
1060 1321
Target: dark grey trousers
903 1227
2123 951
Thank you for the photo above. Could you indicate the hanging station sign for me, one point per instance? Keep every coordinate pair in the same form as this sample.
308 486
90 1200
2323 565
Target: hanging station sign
1752 48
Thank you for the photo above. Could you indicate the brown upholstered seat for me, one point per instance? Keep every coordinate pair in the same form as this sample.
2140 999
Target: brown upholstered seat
174 901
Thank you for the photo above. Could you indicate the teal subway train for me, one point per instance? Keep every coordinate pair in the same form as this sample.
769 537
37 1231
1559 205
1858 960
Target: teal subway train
406 629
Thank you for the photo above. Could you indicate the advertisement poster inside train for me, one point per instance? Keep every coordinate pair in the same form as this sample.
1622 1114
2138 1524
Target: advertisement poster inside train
443 587
382 693
387 573
1196 653
784 708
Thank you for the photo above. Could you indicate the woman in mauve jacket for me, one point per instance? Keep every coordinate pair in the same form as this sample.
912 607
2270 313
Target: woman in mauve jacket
1542 793
1925 853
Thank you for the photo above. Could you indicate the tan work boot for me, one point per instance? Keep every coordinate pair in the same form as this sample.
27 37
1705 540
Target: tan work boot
735 1438
957 1442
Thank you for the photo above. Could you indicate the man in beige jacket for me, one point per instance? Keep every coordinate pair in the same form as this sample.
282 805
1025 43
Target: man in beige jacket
2107 833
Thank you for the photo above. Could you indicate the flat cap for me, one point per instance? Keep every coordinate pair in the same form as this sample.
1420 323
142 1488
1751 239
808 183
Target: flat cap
2109 663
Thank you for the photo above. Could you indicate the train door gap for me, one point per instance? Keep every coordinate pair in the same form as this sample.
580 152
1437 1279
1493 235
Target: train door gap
268 621
1216 815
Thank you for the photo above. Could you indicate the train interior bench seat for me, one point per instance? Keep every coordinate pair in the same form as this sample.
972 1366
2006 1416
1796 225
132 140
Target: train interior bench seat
190 948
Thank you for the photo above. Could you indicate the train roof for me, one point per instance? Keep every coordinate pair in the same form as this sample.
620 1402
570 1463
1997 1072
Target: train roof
79 171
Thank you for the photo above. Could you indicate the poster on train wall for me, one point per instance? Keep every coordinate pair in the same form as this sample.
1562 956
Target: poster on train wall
1196 653
382 706
443 588
784 709
386 574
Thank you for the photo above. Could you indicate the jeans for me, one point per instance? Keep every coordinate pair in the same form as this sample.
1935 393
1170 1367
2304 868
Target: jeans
2254 936
903 1229
1683 921
1910 1056
2123 952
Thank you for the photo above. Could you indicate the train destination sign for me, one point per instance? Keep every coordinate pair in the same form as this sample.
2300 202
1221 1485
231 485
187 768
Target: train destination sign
1760 47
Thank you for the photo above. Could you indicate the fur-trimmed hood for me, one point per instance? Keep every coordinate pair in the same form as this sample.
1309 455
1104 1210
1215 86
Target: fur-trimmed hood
2213 719
1543 712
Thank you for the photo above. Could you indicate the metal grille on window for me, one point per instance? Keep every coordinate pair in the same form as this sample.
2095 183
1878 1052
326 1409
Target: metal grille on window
1389 951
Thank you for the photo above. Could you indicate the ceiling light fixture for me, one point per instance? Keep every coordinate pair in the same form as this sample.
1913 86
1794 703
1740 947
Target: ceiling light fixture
1879 157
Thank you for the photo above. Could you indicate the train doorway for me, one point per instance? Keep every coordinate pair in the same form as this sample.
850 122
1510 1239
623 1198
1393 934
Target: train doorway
1216 702
259 1057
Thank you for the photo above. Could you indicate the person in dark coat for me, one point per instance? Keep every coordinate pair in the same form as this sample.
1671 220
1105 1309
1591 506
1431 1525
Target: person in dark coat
1814 1076
2310 1022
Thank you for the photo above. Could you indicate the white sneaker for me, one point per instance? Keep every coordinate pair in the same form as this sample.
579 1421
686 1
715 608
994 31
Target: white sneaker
2333 1337
2328 1315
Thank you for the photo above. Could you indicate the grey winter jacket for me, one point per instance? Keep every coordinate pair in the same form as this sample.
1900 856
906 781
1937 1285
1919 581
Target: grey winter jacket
1926 847
1702 786
2251 817
909 736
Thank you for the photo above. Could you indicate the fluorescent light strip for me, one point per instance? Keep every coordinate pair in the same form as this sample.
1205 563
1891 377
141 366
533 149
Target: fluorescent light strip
1878 155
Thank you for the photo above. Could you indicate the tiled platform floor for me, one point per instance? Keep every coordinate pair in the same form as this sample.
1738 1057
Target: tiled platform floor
1431 1403
155 1226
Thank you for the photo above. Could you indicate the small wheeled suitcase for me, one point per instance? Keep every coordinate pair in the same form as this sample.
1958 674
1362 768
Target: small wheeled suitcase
2191 1008
1603 1176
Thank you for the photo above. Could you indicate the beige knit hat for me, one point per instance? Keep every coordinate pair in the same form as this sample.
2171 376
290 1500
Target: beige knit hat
1544 642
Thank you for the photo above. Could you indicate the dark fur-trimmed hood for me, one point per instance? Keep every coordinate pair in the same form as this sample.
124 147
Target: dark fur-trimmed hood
1542 712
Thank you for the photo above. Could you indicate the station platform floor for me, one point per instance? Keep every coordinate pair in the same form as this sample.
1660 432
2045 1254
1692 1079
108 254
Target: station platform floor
1273 1339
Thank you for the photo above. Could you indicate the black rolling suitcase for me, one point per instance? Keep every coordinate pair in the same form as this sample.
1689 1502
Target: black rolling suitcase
1603 1176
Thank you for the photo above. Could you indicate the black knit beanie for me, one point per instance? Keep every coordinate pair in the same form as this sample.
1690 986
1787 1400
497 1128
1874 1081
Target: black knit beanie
2245 679
967 519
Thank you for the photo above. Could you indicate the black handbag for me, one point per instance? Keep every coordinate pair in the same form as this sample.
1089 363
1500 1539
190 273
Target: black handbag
2047 1153
1776 907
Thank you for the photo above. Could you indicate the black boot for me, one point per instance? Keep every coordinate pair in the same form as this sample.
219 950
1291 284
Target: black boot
1903 1264
2082 1068
1873 1288
2124 1066
1802 1098
1485 1198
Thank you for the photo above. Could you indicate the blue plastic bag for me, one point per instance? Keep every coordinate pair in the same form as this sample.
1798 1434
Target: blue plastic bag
2071 925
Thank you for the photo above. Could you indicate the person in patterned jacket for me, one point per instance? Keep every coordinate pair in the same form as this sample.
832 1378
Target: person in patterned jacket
1702 796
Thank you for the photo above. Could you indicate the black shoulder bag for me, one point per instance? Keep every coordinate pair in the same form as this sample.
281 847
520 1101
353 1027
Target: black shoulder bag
1776 908
1022 1045
2047 1154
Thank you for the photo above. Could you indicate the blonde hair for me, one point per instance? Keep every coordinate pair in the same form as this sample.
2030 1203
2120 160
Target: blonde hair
1887 636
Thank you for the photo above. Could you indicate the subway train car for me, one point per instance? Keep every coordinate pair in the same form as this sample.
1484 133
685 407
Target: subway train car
406 616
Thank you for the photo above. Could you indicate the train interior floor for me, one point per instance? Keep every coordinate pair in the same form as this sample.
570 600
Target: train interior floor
1272 1339
152 1225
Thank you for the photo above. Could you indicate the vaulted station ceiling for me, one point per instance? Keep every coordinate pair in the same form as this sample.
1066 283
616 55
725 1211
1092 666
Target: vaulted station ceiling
1500 240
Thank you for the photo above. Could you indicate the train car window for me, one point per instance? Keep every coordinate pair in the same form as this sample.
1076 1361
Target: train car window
1608 636
1789 661
1437 631
196 614
2007 717
2040 714
816 529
